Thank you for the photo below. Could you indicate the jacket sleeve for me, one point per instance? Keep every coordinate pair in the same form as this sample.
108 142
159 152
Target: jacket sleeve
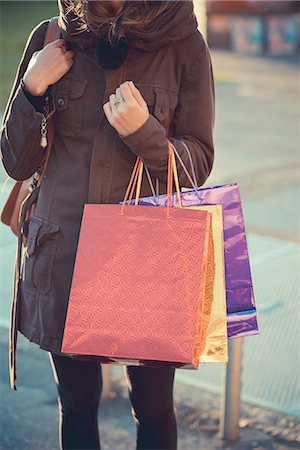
38 101
20 132
193 122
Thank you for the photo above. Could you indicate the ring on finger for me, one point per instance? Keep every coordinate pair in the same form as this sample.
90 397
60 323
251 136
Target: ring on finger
118 100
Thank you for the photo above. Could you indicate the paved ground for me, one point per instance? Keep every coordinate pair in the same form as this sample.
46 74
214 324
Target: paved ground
29 419
256 139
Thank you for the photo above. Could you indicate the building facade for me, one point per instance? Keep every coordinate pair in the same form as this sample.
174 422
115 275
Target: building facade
255 26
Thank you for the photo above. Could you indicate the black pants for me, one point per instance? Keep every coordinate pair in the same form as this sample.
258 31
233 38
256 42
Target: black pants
79 385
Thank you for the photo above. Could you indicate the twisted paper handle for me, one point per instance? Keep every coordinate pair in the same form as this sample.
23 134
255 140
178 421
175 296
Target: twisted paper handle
136 181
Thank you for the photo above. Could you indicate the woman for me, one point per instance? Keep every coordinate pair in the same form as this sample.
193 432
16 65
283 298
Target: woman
122 79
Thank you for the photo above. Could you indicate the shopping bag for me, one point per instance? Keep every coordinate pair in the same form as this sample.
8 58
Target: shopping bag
240 302
216 347
216 343
139 282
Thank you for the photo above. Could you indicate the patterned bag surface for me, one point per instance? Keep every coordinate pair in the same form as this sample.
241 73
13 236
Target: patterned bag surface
141 291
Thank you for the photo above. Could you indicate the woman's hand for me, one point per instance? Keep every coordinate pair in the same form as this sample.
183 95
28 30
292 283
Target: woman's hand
129 115
47 66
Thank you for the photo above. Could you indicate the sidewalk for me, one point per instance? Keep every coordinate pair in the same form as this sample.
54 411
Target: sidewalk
257 145
197 412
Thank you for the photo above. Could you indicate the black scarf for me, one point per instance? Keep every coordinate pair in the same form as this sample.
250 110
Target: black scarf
111 57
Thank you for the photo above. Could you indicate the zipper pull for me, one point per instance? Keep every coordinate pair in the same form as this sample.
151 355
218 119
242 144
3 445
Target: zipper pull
44 141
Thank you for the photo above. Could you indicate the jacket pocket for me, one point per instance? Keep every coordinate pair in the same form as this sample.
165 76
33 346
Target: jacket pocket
40 250
161 101
69 103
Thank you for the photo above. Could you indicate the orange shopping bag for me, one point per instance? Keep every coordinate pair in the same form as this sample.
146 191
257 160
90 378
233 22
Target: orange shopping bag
139 283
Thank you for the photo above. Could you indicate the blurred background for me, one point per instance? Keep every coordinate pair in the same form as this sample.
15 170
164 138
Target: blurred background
255 50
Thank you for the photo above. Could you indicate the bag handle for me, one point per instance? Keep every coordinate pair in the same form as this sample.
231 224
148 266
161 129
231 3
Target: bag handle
193 180
51 33
136 181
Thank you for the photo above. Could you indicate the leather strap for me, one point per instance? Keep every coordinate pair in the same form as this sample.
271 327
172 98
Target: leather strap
51 35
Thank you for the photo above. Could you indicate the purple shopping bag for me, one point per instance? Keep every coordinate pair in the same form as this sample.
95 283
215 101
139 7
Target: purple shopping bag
241 310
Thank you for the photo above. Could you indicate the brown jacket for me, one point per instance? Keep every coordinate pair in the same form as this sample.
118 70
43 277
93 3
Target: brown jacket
90 162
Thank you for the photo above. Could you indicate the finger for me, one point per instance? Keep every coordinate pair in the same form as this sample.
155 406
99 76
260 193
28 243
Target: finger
113 107
107 111
62 45
34 54
136 94
58 43
69 54
119 95
126 92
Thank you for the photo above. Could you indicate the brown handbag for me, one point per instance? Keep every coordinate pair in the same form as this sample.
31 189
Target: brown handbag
22 189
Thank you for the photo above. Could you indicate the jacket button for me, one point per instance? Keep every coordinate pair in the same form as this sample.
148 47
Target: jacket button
60 102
